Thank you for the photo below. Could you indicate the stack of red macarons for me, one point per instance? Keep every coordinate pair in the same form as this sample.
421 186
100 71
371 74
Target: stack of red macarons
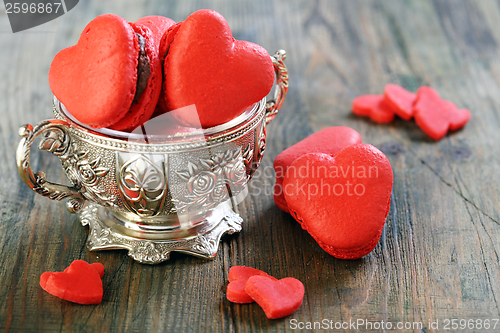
119 75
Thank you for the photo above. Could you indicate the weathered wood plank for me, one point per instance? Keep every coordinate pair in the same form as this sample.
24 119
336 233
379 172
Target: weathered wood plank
439 254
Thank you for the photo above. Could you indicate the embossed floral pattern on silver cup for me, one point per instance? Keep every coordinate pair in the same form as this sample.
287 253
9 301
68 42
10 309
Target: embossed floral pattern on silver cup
215 180
156 194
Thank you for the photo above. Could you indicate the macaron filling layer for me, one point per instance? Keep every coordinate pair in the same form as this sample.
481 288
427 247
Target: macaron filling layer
143 69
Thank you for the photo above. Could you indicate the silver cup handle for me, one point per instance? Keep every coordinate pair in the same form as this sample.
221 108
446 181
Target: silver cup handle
55 139
274 105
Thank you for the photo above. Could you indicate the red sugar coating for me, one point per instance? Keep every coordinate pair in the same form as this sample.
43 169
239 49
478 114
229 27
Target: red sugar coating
207 67
436 116
278 298
238 276
342 201
329 141
400 100
79 283
373 106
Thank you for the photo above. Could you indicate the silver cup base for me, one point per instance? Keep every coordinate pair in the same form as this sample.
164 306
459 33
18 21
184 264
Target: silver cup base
150 246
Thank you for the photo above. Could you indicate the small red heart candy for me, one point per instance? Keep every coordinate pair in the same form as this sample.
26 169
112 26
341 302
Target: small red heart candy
79 283
278 298
400 100
342 201
435 116
207 67
373 106
238 276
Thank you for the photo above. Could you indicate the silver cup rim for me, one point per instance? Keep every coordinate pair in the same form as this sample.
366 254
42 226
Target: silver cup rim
199 134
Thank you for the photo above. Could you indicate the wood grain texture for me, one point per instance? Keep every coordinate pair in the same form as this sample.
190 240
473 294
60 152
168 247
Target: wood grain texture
438 257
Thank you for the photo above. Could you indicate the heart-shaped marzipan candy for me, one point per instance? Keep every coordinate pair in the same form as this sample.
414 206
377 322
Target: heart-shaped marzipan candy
79 283
207 67
436 116
278 298
342 201
238 277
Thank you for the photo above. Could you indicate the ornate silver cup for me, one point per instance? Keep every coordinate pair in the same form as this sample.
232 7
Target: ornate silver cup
159 193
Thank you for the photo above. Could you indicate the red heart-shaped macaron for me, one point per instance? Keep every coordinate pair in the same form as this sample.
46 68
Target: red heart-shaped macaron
207 67
278 298
238 277
342 201
112 76
96 78
79 283
329 140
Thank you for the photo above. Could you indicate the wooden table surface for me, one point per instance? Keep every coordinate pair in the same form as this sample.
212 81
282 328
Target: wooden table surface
438 257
